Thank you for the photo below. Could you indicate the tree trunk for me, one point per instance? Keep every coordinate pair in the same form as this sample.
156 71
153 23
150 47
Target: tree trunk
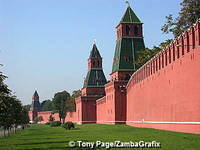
63 120
4 132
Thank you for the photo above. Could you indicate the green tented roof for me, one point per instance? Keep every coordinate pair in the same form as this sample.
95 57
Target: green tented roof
130 17
95 52
95 78
125 53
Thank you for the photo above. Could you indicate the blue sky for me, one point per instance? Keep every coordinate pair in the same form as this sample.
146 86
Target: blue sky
44 44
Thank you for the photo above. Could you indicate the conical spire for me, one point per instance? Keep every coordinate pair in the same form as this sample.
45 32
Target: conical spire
35 102
35 94
95 76
95 52
129 42
130 17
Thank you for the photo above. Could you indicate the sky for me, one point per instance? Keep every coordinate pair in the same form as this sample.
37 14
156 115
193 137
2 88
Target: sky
45 44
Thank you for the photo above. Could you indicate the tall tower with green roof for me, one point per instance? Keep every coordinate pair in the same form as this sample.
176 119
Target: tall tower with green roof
93 88
129 41
95 76
35 107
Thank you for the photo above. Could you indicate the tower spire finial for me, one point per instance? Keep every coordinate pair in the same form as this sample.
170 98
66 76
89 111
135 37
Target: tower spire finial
127 2
95 41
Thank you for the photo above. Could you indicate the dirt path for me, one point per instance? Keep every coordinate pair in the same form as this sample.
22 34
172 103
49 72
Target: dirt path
6 132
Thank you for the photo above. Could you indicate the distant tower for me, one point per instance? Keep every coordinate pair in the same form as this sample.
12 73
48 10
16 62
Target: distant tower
35 102
129 41
35 107
95 77
93 88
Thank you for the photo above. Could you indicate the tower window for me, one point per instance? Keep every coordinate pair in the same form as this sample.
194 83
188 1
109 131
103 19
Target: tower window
136 31
126 58
127 30
93 63
98 63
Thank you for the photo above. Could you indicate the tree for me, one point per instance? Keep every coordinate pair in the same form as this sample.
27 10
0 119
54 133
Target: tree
27 107
11 111
71 105
24 116
4 91
38 119
145 55
60 101
47 105
51 118
188 15
6 118
16 110
164 44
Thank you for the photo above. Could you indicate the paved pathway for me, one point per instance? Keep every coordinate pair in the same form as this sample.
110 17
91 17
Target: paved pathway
6 132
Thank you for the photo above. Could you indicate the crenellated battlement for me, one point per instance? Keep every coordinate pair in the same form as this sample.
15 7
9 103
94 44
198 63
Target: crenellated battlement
184 44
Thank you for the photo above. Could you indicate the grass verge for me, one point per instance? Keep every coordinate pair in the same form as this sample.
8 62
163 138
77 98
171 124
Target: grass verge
43 137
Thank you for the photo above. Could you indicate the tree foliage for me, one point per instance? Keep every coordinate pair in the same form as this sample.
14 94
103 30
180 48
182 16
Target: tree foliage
24 116
11 110
51 118
47 105
38 119
4 90
60 101
75 94
148 53
188 15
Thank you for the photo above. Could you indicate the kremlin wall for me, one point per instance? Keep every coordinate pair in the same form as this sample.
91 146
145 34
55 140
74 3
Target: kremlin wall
162 94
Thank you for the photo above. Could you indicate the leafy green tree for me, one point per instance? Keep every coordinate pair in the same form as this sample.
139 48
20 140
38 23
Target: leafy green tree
164 44
11 111
47 105
16 110
51 118
71 106
60 101
27 107
188 15
38 119
145 55
24 116
4 91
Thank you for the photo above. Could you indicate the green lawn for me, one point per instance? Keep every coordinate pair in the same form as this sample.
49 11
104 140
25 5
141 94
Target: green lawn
43 137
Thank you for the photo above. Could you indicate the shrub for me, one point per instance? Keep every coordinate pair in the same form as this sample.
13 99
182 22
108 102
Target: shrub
68 125
38 119
48 123
51 118
55 123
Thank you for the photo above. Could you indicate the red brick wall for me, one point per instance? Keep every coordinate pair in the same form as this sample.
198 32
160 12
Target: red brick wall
111 109
167 89
70 116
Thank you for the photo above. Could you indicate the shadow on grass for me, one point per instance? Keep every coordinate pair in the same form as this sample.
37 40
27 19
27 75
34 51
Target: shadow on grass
54 148
63 148
49 142
73 129
45 138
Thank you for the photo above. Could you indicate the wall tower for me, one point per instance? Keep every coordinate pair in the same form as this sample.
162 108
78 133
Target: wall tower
35 106
93 88
129 42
